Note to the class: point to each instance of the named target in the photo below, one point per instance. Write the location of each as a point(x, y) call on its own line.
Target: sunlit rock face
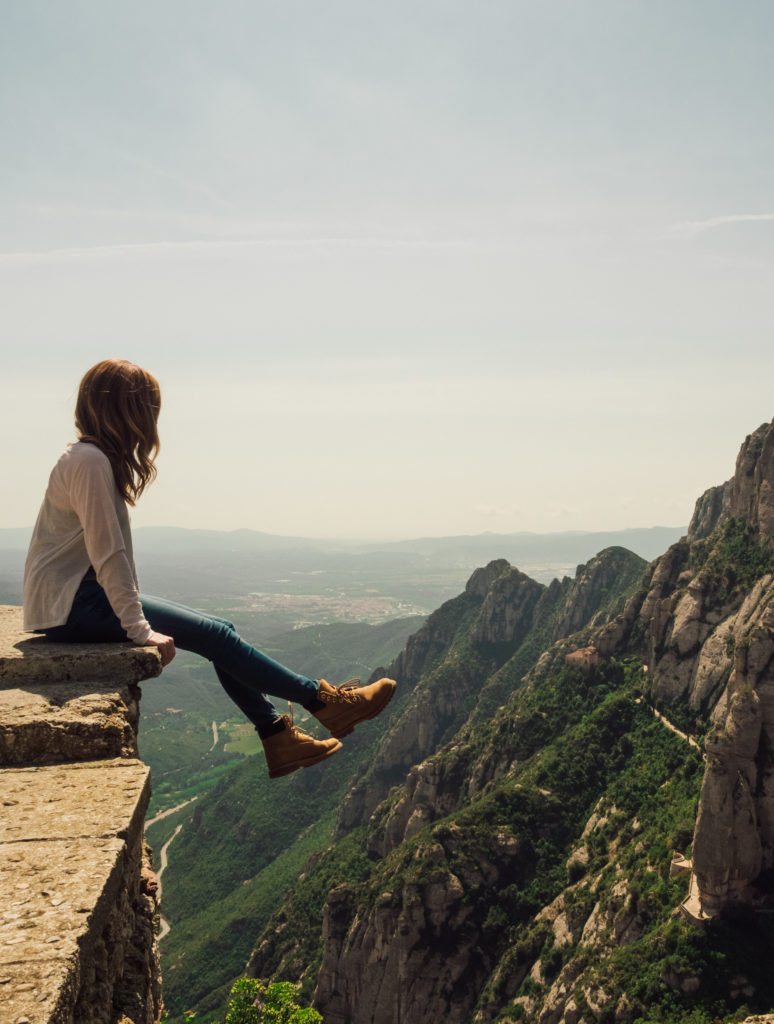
point(708, 616)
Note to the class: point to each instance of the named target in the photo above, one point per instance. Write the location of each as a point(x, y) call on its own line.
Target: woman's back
point(82, 520)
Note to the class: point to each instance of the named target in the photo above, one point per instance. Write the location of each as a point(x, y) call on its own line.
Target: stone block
point(27, 658)
point(96, 799)
point(76, 918)
point(53, 722)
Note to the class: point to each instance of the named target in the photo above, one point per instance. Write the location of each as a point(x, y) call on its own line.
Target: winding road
point(165, 927)
point(214, 737)
point(171, 810)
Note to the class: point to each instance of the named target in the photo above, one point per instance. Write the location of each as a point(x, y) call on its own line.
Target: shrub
point(252, 1002)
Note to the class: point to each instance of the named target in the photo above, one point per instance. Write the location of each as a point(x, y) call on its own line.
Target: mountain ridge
point(586, 932)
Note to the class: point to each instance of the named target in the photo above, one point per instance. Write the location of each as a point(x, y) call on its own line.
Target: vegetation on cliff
point(530, 867)
point(245, 844)
point(250, 1002)
point(518, 841)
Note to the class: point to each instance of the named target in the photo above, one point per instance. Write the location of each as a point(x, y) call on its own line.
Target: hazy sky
point(402, 268)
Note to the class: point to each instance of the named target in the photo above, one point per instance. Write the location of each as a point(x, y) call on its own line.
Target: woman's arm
point(92, 493)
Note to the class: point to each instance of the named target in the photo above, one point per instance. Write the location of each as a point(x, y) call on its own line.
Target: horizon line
point(388, 540)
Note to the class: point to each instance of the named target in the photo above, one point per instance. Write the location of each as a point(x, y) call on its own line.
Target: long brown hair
point(117, 410)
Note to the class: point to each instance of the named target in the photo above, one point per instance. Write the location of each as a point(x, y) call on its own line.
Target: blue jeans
point(245, 673)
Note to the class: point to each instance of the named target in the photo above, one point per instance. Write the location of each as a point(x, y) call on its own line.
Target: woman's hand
point(166, 646)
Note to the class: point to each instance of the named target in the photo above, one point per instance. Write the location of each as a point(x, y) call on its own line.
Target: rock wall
point(704, 623)
point(464, 643)
point(78, 906)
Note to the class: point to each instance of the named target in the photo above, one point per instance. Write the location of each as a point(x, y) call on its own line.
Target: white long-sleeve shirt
point(83, 521)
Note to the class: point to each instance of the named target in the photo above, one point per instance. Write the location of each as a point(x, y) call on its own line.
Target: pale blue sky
point(407, 268)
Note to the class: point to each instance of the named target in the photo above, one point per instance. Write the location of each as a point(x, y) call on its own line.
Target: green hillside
point(238, 856)
point(244, 838)
point(537, 838)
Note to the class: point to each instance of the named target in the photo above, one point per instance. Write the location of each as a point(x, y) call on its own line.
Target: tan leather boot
point(347, 705)
point(291, 749)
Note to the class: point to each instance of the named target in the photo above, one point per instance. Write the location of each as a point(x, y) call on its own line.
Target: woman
point(80, 581)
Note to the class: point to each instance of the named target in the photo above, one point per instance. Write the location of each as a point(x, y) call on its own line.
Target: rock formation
point(708, 618)
point(494, 631)
point(589, 677)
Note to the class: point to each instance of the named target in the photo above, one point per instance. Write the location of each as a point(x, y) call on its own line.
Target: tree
point(252, 1002)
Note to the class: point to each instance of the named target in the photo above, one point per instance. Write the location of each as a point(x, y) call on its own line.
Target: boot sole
point(305, 763)
point(376, 711)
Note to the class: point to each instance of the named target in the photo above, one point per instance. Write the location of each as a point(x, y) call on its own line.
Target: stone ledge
point(26, 658)
point(71, 852)
point(46, 723)
point(36, 992)
point(87, 799)
point(54, 894)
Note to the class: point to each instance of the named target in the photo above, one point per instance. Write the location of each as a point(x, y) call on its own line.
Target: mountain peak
point(482, 579)
point(749, 495)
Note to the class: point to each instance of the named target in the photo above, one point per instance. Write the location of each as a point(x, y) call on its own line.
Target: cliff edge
point(78, 902)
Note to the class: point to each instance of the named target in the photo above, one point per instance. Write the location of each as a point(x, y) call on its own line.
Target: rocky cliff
point(472, 652)
point(706, 613)
point(596, 784)
point(78, 907)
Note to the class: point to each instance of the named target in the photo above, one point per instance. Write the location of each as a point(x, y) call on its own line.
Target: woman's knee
point(218, 636)
point(224, 622)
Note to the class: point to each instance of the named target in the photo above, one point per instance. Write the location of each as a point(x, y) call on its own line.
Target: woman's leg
point(267, 720)
point(245, 673)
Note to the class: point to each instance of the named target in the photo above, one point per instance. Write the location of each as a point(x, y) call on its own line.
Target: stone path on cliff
point(691, 907)
point(670, 725)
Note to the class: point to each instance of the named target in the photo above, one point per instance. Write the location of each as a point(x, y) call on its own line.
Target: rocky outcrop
point(734, 837)
point(436, 786)
point(750, 493)
point(684, 616)
point(76, 895)
point(440, 687)
point(419, 951)
point(417, 974)
point(585, 658)
point(692, 634)
point(501, 623)
point(706, 513)
point(705, 625)
point(78, 904)
point(728, 853)
point(52, 722)
point(587, 598)
point(27, 658)
point(507, 613)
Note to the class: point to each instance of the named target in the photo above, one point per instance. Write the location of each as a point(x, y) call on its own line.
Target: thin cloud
point(202, 245)
point(690, 228)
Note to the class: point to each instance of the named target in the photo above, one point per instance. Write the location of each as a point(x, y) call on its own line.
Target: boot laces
point(290, 723)
point(344, 692)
